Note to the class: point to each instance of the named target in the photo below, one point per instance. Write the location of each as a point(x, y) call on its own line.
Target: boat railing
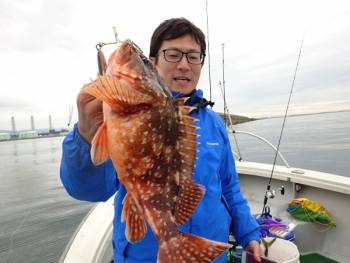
point(238, 154)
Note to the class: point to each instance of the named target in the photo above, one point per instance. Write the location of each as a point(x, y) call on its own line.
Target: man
point(177, 51)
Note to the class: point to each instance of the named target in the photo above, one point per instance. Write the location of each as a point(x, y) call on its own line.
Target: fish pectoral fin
point(190, 249)
point(118, 94)
point(189, 196)
point(135, 223)
point(104, 88)
point(99, 146)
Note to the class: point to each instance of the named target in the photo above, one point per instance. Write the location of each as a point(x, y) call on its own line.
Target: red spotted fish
point(151, 140)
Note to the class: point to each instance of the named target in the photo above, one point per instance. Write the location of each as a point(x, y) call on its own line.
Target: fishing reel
point(271, 193)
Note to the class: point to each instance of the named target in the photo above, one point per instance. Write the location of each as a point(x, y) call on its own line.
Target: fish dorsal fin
point(186, 110)
point(187, 141)
point(116, 93)
point(135, 223)
point(99, 146)
point(181, 101)
point(189, 196)
point(190, 193)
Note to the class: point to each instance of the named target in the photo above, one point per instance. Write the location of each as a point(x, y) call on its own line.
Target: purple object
point(273, 227)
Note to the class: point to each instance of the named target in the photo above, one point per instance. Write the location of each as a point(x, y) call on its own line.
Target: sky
point(47, 53)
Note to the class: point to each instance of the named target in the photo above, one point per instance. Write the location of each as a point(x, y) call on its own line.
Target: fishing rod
point(269, 193)
point(70, 115)
point(223, 81)
point(206, 7)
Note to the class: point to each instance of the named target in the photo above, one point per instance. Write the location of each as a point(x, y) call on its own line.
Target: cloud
point(12, 104)
point(260, 81)
point(34, 26)
point(49, 50)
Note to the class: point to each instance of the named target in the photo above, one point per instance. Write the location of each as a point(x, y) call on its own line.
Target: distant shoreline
point(37, 137)
point(300, 114)
point(236, 119)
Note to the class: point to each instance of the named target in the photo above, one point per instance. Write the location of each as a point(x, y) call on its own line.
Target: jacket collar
point(195, 99)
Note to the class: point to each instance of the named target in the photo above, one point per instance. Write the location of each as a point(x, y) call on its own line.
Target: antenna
point(268, 191)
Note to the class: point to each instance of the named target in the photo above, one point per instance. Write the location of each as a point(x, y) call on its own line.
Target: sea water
point(38, 217)
point(317, 142)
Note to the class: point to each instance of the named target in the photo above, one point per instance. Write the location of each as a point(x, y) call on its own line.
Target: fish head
point(136, 74)
point(138, 110)
point(125, 62)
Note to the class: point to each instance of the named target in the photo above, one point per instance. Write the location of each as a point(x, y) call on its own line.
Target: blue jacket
point(214, 169)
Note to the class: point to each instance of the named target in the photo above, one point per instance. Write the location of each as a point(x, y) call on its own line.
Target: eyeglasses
point(175, 55)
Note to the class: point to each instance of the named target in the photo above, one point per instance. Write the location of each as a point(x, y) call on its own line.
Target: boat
point(92, 241)
point(313, 242)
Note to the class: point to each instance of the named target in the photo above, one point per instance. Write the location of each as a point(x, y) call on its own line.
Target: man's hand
point(254, 247)
point(89, 114)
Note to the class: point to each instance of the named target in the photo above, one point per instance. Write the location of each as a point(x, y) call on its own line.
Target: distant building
point(13, 124)
point(43, 132)
point(4, 136)
point(27, 134)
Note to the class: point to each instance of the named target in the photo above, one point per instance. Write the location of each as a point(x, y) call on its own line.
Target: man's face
point(179, 76)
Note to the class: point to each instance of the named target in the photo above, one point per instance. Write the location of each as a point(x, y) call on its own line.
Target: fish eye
point(145, 61)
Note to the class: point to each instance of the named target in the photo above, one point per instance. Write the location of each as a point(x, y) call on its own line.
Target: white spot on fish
point(146, 159)
point(177, 178)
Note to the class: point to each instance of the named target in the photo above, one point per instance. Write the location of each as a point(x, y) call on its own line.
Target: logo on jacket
point(213, 143)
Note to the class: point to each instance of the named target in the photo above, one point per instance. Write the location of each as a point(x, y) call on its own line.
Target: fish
point(150, 138)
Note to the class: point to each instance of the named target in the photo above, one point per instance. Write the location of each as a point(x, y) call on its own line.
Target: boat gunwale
point(327, 181)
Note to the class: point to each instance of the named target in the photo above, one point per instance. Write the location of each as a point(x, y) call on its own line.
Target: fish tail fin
point(189, 248)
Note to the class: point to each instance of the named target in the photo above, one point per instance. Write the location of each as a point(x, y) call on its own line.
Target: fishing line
point(284, 121)
point(206, 6)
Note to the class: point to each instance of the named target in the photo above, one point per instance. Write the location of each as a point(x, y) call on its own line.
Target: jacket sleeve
point(81, 178)
point(246, 227)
